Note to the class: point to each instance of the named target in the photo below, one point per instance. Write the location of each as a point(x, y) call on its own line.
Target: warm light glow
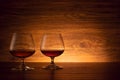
point(84, 45)
point(90, 29)
point(69, 57)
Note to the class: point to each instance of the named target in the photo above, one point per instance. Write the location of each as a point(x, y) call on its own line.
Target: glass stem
point(52, 60)
point(23, 65)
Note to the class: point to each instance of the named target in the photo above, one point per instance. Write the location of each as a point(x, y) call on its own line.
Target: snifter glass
point(22, 46)
point(52, 45)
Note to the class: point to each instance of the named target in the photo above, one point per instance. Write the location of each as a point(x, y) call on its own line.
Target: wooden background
point(90, 28)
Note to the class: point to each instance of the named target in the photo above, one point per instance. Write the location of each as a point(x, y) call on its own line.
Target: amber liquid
point(52, 53)
point(22, 53)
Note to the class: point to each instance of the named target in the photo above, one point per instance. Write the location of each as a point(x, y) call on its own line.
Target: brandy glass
point(52, 45)
point(22, 46)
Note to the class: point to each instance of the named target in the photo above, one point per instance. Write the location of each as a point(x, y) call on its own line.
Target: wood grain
point(90, 29)
point(70, 71)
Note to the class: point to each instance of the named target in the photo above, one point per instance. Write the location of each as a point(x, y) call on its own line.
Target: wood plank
point(70, 71)
point(90, 29)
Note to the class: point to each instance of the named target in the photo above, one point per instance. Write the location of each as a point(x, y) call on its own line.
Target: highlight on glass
point(22, 46)
point(52, 46)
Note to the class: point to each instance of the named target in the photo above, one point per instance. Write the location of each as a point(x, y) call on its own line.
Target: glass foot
point(26, 68)
point(52, 67)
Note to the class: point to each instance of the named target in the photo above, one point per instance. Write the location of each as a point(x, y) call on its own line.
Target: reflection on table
point(70, 71)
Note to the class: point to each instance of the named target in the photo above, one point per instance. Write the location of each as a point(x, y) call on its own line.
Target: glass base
point(52, 67)
point(26, 68)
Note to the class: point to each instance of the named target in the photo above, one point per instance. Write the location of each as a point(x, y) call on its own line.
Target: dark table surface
point(70, 71)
